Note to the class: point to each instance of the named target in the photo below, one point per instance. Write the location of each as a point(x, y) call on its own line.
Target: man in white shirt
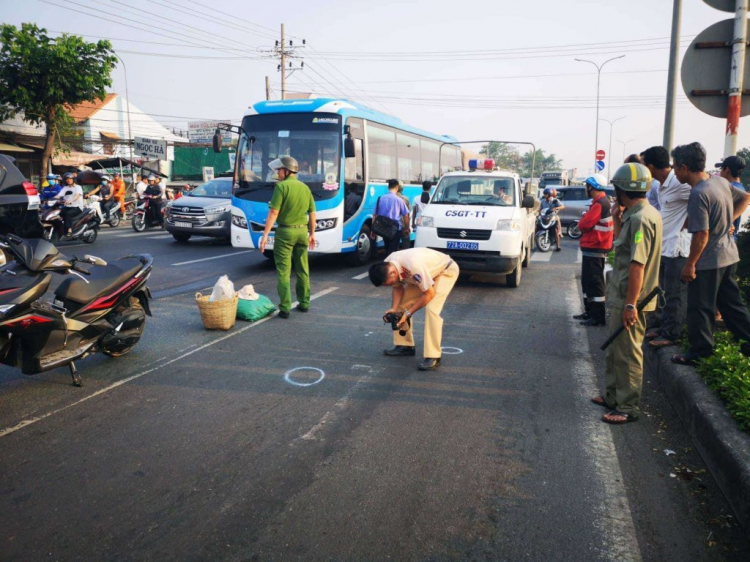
point(673, 202)
point(140, 187)
point(421, 278)
point(72, 195)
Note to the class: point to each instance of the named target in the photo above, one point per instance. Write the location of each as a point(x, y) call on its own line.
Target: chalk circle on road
point(300, 370)
point(452, 350)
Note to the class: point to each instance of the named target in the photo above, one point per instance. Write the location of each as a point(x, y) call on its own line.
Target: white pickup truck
point(482, 220)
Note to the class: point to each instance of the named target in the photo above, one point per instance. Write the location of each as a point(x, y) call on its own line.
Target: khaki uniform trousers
point(624, 365)
point(433, 324)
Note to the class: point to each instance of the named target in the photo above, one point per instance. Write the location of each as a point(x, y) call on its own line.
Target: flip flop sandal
point(661, 342)
point(628, 418)
point(652, 334)
point(599, 401)
point(685, 359)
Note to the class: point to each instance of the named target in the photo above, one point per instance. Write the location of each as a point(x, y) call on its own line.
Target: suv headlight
point(325, 224)
point(508, 225)
point(218, 210)
point(425, 221)
point(239, 221)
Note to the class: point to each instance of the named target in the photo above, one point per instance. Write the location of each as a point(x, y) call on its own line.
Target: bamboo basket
point(219, 315)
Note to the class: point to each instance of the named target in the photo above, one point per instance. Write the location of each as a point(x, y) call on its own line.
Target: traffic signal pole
point(736, 77)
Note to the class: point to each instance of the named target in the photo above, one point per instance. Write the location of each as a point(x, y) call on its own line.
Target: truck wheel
point(527, 254)
point(513, 279)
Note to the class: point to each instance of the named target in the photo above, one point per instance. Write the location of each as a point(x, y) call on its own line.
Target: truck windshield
point(314, 140)
point(475, 190)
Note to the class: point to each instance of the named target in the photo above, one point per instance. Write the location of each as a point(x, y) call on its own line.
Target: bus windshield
point(475, 190)
point(313, 139)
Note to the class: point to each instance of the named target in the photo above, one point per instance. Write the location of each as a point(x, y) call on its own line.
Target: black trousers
point(714, 289)
point(392, 244)
point(107, 207)
point(592, 283)
point(672, 316)
point(70, 216)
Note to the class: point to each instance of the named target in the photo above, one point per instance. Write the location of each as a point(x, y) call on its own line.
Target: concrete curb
point(723, 446)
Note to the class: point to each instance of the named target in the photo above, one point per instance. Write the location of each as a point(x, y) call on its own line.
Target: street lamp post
point(598, 82)
point(127, 107)
point(624, 144)
point(611, 126)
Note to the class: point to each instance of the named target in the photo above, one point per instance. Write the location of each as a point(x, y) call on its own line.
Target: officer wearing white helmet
point(596, 243)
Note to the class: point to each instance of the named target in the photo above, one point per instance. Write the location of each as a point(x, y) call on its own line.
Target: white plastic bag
point(224, 289)
point(248, 293)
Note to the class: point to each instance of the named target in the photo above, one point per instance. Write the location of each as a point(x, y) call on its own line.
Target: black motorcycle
point(85, 226)
point(98, 309)
point(149, 212)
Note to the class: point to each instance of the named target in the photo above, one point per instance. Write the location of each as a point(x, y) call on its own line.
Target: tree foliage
point(745, 153)
point(40, 75)
point(507, 157)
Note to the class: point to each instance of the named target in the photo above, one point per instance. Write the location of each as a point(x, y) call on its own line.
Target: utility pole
point(736, 77)
point(611, 126)
point(624, 145)
point(284, 51)
point(598, 82)
point(268, 89)
point(130, 134)
point(282, 55)
point(674, 55)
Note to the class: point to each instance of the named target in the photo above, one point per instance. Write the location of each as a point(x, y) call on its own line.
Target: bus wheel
point(362, 252)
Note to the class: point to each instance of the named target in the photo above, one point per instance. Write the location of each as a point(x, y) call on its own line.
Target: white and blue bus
point(342, 148)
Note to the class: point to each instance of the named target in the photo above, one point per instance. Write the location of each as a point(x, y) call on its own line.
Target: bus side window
point(354, 170)
point(354, 181)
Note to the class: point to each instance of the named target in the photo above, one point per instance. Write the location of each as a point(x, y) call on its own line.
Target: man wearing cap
point(637, 233)
point(731, 170)
point(421, 278)
point(292, 206)
point(710, 269)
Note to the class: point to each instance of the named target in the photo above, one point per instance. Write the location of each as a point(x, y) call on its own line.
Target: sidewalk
point(724, 448)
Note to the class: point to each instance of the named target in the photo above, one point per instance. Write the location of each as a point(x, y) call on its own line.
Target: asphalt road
point(298, 440)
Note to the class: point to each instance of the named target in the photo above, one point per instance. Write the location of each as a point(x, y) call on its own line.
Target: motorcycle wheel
point(573, 231)
point(134, 303)
point(543, 241)
point(52, 236)
point(114, 219)
point(89, 236)
point(139, 223)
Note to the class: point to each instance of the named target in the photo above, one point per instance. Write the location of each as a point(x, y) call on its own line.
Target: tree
point(543, 162)
point(40, 75)
point(745, 176)
point(507, 158)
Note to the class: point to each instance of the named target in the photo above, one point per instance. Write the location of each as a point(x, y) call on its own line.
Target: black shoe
point(593, 322)
point(302, 308)
point(584, 316)
point(400, 350)
point(558, 249)
point(429, 364)
point(283, 314)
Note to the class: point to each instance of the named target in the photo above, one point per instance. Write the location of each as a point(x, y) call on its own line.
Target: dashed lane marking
point(214, 257)
point(541, 256)
point(579, 256)
point(33, 420)
point(361, 275)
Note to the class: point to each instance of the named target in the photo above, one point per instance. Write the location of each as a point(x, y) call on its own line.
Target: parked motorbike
point(100, 309)
point(85, 228)
point(148, 209)
point(546, 225)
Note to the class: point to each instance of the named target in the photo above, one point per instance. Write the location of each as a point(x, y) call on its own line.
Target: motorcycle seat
point(103, 280)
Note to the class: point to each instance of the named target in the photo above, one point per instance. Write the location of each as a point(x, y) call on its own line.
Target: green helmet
point(286, 162)
point(632, 177)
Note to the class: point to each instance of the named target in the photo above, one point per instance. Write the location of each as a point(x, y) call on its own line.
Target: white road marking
point(214, 257)
point(541, 256)
point(451, 350)
point(579, 256)
point(129, 235)
point(361, 275)
point(614, 519)
point(158, 236)
point(33, 420)
point(288, 376)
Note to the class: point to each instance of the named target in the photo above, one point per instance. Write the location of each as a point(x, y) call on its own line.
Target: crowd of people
point(673, 226)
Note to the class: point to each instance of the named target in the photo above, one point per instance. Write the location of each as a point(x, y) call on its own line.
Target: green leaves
point(507, 157)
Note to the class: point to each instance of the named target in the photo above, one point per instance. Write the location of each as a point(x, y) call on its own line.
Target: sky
point(501, 70)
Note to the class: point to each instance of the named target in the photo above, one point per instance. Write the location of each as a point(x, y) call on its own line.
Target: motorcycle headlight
point(325, 224)
point(239, 221)
point(508, 225)
point(5, 309)
point(425, 221)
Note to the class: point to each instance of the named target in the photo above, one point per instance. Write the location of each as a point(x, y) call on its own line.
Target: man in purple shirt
point(392, 206)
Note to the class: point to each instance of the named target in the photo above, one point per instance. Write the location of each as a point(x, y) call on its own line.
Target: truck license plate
point(184, 224)
point(463, 245)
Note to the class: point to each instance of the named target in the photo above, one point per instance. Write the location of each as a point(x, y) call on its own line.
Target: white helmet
point(597, 181)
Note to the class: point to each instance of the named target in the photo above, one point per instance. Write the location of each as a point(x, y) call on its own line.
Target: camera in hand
point(393, 318)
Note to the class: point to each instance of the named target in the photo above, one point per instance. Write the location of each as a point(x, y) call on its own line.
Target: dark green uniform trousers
point(290, 248)
point(624, 365)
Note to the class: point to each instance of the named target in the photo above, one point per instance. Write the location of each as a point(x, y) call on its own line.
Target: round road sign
point(600, 155)
point(723, 5)
point(600, 165)
point(708, 69)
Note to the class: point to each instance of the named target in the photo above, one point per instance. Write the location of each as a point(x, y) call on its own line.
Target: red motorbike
point(149, 212)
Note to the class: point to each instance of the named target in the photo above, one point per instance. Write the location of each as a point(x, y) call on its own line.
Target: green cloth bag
point(251, 311)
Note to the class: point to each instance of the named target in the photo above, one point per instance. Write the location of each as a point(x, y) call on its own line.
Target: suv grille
point(463, 234)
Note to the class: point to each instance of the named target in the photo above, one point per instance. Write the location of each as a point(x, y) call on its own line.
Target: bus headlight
point(425, 221)
point(239, 221)
point(508, 225)
point(325, 224)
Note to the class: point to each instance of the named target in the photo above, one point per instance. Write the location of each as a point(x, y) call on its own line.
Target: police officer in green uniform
point(637, 232)
point(292, 206)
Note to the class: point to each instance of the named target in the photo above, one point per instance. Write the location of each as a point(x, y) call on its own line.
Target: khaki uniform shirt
point(639, 241)
point(293, 200)
point(419, 266)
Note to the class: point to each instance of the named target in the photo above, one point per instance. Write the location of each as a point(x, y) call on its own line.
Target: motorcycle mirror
point(93, 260)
